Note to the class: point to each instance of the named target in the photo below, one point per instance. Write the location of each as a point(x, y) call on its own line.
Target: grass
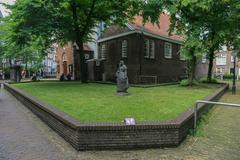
point(99, 103)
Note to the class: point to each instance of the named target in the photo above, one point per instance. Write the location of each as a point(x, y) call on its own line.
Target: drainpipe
point(140, 54)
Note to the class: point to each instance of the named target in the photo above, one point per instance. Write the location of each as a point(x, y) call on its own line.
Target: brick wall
point(166, 70)
point(99, 136)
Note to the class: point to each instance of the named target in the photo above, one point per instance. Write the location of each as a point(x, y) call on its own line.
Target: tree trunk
point(79, 59)
point(76, 65)
point(192, 67)
point(82, 65)
point(26, 70)
point(210, 66)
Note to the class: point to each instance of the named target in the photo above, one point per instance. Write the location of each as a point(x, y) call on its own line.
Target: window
point(168, 50)
point(149, 49)
point(70, 68)
point(64, 57)
point(221, 59)
point(124, 49)
point(181, 53)
point(103, 51)
point(146, 48)
point(204, 58)
point(86, 56)
point(232, 59)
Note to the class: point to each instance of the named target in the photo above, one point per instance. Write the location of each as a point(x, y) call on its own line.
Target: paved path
point(24, 137)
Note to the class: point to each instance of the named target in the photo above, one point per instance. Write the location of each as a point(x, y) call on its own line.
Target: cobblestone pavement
point(24, 137)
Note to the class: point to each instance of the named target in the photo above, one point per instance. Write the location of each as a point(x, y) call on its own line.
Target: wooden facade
point(155, 68)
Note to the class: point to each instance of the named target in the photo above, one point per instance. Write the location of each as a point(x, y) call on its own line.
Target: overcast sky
point(2, 9)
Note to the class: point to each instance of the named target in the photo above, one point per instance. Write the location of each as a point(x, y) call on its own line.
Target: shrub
point(204, 80)
point(227, 76)
point(185, 83)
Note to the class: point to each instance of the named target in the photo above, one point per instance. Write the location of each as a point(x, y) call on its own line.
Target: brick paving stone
point(22, 135)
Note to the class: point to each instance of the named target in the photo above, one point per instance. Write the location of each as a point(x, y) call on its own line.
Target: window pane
point(221, 59)
point(103, 51)
point(152, 49)
point(146, 48)
point(124, 48)
point(168, 50)
point(204, 58)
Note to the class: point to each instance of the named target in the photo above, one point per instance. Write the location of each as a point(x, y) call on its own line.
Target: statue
point(122, 79)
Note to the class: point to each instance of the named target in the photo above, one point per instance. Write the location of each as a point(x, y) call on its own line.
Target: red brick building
point(224, 63)
point(150, 53)
point(64, 58)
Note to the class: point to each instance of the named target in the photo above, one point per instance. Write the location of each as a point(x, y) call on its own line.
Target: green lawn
point(99, 103)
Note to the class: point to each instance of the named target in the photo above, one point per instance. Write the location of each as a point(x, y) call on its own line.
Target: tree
point(232, 31)
point(208, 18)
point(15, 48)
point(182, 24)
point(192, 50)
point(62, 21)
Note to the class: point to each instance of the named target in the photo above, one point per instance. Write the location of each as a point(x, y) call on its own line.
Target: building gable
point(160, 31)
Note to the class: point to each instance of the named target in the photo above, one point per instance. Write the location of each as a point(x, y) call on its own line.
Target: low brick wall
point(100, 136)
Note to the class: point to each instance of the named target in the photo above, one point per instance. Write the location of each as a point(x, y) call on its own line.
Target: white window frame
point(168, 50)
point(124, 49)
point(232, 58)
point(149, 49)
point(204, 58)
point(146, 48)
point(221, 59)
point(103, 51)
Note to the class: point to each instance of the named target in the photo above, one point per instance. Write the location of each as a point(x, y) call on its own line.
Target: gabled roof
point(158, 31)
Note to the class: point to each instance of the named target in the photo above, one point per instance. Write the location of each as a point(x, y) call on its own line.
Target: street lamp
point(234, 53)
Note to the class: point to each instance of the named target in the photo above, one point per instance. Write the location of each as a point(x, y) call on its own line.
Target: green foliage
point(205, 80)
point(35, 67)
point(186, 82)
point(54, 21)
point(65, 21)
point(203, 22)
point(14, 46)
point(228, 76)
point(99, 103)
